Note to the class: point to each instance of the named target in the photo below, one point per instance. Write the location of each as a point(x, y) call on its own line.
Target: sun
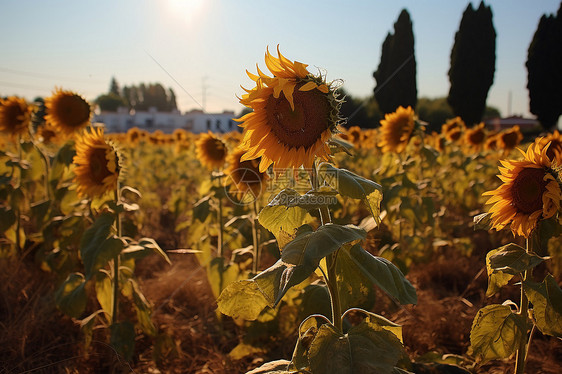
point(184, 9)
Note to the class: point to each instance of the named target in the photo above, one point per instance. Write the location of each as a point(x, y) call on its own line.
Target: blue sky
point(206, 45)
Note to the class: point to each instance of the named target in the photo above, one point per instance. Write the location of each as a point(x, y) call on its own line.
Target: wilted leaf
point(547, 305)
point(513, 259)
point(364, 349)
point(243, 350)
point(496, 332)
point(71, 296)
point(273, 367)
point(496, 279)
point(352, 185)
point(482, 221)
point(104, 293)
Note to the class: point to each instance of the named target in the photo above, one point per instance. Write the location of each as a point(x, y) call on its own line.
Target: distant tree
point(544, 70)
point(114, 87)
point(396, 73)
point(434, 111)
point(110, 102)
point(172, 100)
point(473, 60)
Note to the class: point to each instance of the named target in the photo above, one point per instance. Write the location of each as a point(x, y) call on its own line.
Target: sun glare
point(184, 9)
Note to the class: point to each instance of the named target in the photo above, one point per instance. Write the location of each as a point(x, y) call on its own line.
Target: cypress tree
point(473, 60)
point(396, 73)
point(544, 70)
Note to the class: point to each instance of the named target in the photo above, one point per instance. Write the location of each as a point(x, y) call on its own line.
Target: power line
point(40, 75)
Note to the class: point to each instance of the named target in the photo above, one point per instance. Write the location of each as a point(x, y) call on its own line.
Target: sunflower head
point(211, 151)
point(529, 192)
point(397, 129)
point(15, 115)
point(509, 139)
point(244, 177)
point(96, 164)
point(475, 136)
point(294, 115)
point(67, 111)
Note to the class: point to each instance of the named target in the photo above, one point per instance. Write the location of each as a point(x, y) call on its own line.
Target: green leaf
point(309, 247)
point(104, 293)
point(97, 257)
point(39, 212)
point(143, 310)
point(353, 286)
point(482, 221)
point(282, 219)
point(221, 275)
point(123, 338)
point(7, 218)
point(202, 209)
point(339, 145)
point(62, 160)
point(93, 247)
point(496, 279)
point(384, 274)
point(352, 185)
point(364, 349)
point(275, 281)
point(496, 332)
point(242, 299)
point(71, 296)
point(273, 367)
point(513, 259)
point(87, 327)
point(547, 305)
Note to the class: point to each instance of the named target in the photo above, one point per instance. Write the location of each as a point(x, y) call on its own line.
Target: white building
point(195, 121)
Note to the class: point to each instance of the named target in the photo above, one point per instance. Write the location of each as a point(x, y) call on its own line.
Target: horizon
point(201, 49)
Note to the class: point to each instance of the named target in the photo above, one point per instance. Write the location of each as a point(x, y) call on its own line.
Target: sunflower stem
point(255, 240)
point(219, 219)
point(18, 207)
point(116, 262)
point(521, 356)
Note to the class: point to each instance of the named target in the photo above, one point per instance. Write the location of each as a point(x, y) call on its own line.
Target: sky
point(202, 48)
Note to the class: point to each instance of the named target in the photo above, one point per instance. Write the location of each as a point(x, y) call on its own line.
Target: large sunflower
point(211, 151)
point(244, 177)
point(67, 111)
point(396, 129)
point(96, 164)
point(294, 115)
point(530, 192)
point(15, 115)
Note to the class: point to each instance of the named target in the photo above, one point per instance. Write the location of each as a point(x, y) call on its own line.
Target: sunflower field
point(296, 245)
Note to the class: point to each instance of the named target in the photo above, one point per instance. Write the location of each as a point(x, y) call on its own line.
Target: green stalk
point(331, 282)
point(521, 356)
point(116, 263)
point(219, 219)
point(255, 241)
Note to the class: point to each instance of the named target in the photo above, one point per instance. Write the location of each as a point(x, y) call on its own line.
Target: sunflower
point(453, 129)
point(96, 164)
point(15, 115)
point(67, 111)
point(211, 151)
point(554, 151)
point(530, 192)
point(47, 134)
point(509, 139)
point(396, 129)
point(245, 179)
point(476, 136)
point(294, 115)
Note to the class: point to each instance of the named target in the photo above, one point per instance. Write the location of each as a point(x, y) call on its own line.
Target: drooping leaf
point(364, 349)
point(482, 221)
point(123, 338)
point(71, 296)
point(242, 299)
point(97, 257)
point(309, 247)
point(354, 287)
point(143, 310)
point(496, 332)
point(282, 218)
point(273, 367)
point(202, 209)
point(496, 278)
point(513, 259)
point(104, 293)
point(546, 298)
point(93, 239)
point(383, 274)
point(352, 185)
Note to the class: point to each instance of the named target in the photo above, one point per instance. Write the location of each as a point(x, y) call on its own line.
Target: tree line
point(471, 72)
point(138, 97)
